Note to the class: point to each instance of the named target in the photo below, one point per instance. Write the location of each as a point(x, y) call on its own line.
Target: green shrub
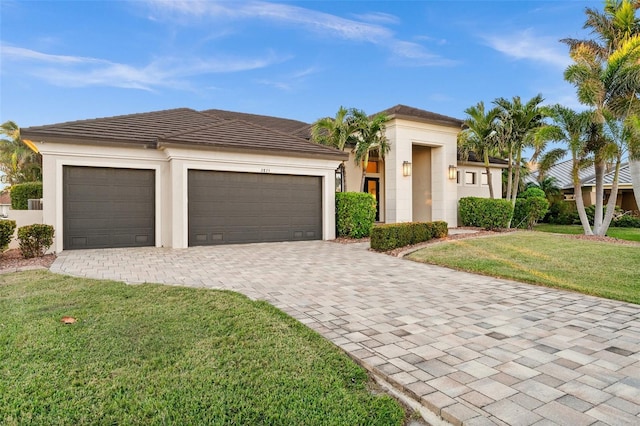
point(7, 227)
point(394, 235)
point(562, 212)
point(626, 221)
point(532, 191)
point(528, 211)
point(355, 214)
point(35, 239)
point(485, 213)
point(22, 192)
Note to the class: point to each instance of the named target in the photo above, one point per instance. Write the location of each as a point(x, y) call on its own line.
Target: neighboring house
point(180, 178)
point(5, 203)
point(562, 173)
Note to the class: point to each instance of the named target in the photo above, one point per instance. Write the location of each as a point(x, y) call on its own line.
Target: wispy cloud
point(527, 46)
point(290, 81)
point(366, 28)
point(79, 71)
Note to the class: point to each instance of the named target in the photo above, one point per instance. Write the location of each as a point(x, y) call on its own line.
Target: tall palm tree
point(370, 138)
point(606, 73)
point(337, 132)
point(478, 135)
point(18, 162)
point(572, 128)
point(523, 120)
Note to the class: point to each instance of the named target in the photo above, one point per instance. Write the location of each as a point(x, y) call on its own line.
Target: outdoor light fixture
point(406, 168)
point(453, 172)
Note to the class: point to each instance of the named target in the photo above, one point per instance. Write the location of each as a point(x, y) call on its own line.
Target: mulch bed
point(12, 260)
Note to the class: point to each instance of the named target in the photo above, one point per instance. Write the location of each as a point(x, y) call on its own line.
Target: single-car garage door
point(229, 207)
point(107, 207)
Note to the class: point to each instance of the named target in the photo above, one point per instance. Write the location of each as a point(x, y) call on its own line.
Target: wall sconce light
point(406, 168)
point(453, 172)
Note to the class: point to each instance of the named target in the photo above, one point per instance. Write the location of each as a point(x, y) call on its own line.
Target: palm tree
point(606, 73)
point(337, 132)
point(18, 161)
point(479, 136)
point(572, 128)
point(547, 160)
point(370, 138)
point(523, 122)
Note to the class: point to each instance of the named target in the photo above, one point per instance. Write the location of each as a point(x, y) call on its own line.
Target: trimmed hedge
point(393, 235)
point(22, 192)
point(485, 213)
point(35, 239)
point(355, 214)
point(7, 227)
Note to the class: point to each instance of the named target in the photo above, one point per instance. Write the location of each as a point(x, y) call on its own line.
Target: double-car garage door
point(112, 207)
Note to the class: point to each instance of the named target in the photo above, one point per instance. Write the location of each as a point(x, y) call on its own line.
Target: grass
point(153, 354)
point(590, 267)
point(630, 234)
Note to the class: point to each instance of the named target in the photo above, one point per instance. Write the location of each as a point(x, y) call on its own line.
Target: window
point(484, 179)
point(372, 167)
point(469, 178)
point(458, 180)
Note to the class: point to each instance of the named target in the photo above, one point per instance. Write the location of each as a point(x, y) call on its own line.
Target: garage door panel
point(108, 207)
point(230, 207)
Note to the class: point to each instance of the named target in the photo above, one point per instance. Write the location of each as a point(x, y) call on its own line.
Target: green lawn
point(153, 354)
point(597, 268)
point(630, 234)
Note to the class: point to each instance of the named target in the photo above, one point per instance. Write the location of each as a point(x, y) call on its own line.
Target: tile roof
point(403, 111)
point(241, 134)
point(473, 158)
point(187, 126)
point(276, 123)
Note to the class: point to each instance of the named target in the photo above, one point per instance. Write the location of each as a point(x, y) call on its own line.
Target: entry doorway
point(372, 186)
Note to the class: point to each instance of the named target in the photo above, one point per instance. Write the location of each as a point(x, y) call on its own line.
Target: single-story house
point(180, 178)
point(561, 172)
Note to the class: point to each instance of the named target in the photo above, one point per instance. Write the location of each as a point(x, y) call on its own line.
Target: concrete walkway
point(474, 350)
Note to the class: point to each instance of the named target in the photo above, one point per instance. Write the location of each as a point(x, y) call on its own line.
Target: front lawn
point(630, 234)
point(597, 268)
point(153, 354)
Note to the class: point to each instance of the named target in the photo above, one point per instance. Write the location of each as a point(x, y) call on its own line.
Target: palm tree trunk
point(509, 174)
point(597, 218)
point(489, 181)
point(365, 164)
point(582, 214)
point(516, 179)
point(611, 204)
point(634, 167)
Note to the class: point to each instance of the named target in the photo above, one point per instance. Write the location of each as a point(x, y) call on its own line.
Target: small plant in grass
point(35, 239)
point(7, 228)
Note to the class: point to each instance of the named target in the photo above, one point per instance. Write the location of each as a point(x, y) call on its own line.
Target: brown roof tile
point(133, 128)
point(239, 134)
point(403, 111)
point(276, 123)
point(187, 126)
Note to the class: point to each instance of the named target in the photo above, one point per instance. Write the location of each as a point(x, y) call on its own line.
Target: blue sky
point(62, 61)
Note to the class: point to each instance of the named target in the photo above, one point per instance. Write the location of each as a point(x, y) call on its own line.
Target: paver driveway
point(473, 349)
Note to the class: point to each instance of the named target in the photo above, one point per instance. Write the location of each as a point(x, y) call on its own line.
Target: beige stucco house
point(180, 178)
point(422, 177)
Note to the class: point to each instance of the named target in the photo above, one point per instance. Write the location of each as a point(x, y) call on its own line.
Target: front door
point(372, 186)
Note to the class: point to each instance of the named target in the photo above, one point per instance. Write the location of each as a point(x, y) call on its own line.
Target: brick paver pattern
point(473, 349)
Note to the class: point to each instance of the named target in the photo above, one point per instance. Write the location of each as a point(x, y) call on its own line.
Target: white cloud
point(319, 22)
point(78, 71)
point(379, 17)
point(526, 45)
